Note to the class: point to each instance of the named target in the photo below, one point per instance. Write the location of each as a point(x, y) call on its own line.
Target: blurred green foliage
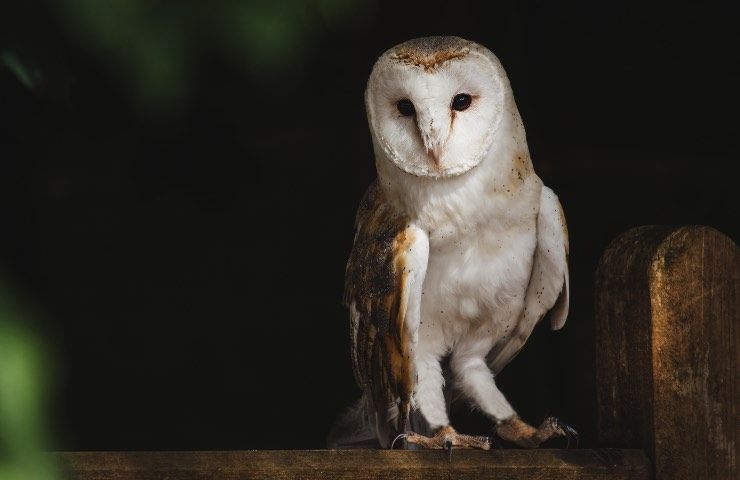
point(156, 45)
point(29, 77)
point(23, 369)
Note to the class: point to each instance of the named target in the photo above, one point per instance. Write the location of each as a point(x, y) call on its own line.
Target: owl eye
point(461, 102)
point(405, 107)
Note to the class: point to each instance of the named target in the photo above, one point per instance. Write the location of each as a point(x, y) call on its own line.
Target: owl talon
point(448, 447)
point(399, 436)
point(567, 431)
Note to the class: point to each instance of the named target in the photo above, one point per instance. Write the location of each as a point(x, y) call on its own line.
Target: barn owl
point(459, 251)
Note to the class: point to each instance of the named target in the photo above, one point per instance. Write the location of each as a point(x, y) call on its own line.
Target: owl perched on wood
point(459, 251)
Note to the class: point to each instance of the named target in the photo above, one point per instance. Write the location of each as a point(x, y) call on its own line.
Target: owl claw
point(448, 447)
point(399, 436)
point(568, 432)
point(559, 427)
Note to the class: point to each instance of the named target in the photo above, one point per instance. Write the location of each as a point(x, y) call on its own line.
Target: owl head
point(434, 105)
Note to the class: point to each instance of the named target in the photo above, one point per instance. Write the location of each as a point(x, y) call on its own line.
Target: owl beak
point(436, 153)
point(433, 136)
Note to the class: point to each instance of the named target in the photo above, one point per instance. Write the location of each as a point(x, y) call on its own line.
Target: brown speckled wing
point(376, 292)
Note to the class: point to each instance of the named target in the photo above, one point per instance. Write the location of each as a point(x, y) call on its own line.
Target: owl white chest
point(480, 259)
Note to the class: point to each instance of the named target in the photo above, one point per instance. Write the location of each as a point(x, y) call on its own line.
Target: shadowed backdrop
point(178, 183)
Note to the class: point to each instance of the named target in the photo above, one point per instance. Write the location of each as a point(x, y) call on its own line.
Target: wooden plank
point(666, 349)
point(357, 465)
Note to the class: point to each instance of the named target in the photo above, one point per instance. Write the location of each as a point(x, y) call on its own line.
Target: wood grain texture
point(357, 465)
point(666, 348)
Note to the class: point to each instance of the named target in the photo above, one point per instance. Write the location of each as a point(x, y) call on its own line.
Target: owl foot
point(447, 438)
point(526, 436)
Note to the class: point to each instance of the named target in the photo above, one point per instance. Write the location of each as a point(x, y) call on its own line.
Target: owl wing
point(383, 293)
point(548, 288)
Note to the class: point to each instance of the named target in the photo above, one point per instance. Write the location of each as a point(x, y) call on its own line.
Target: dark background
point(177, 192)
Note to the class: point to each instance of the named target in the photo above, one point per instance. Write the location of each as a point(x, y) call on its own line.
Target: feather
point(355, 428)
point(382, 274)
point(548, 282)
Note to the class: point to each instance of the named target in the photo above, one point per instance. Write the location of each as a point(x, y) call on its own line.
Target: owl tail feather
point(354, 428)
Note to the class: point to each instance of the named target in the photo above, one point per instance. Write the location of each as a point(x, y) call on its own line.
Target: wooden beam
point(357, 465)
point(667, 349)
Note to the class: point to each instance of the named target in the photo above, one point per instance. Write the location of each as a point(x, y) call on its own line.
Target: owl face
point(433, 105)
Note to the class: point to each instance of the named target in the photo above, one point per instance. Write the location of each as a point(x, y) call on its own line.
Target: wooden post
point(667, 349)
point(604, 464)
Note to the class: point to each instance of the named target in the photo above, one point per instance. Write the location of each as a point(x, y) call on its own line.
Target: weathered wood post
point(667, 349)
